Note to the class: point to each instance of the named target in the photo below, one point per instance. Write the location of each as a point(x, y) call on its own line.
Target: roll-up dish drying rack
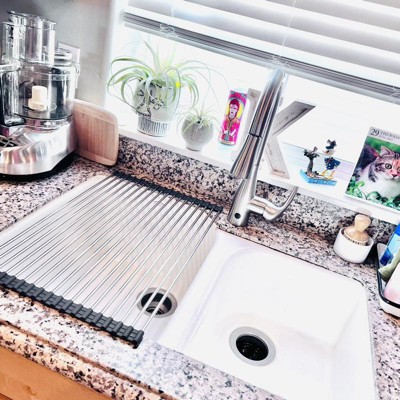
point(116, 255)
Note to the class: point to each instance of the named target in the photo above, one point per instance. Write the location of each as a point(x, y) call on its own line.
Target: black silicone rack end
point(139, 181)
point(49, 299)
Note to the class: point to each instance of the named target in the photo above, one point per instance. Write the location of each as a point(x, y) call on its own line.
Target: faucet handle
point(268, 210)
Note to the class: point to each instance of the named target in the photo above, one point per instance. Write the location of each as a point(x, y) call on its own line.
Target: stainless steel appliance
point(37, 88)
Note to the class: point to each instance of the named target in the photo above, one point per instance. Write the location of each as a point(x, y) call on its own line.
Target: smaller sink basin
point(292, 328)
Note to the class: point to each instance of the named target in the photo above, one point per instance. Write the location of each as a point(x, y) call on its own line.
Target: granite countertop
point(113, 367)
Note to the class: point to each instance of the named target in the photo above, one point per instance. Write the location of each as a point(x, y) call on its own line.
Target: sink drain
point(252, 346)
point(167, 308)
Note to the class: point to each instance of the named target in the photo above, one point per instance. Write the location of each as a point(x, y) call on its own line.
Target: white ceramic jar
point(350, 251)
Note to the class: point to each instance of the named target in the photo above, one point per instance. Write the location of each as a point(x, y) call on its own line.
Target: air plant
point(158, 83)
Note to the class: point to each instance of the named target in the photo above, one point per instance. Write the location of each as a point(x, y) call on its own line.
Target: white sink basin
point(316, 320)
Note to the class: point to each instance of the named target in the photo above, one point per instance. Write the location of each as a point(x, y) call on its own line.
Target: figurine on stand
point(331, 164)
point(311, 154)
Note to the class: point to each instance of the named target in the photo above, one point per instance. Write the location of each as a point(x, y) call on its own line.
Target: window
point(324, 46)
point(349, 43)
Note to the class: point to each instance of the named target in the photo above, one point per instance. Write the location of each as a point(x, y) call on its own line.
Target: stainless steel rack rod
point(44, 235)
point(30, 251)
point(166, 276)
point(132, 262)
point(13, 242)
point(149, 269)
point(111, 248)
point(110, 273)
point(104, 233)
point(168, 291)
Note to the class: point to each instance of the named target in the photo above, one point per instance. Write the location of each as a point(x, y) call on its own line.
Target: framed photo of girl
point(376, 176)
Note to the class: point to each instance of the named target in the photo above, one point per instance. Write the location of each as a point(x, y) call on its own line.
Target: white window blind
point(357, 39)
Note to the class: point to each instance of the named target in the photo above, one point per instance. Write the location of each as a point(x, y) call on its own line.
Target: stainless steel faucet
point(247, 162)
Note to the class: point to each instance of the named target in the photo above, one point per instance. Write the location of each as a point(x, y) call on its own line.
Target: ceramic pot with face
point(156, 109)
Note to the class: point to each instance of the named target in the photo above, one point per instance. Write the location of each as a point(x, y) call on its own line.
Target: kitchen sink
point(292, 328)
point(280, 323)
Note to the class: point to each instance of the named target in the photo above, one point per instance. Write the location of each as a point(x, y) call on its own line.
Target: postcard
point(376, 176)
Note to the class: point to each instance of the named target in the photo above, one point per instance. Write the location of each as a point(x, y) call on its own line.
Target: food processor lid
point(31, 20)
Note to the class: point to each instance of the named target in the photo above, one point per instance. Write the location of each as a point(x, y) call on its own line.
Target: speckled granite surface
point(113, 367)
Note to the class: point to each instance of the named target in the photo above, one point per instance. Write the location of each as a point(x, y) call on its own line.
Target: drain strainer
point(167, 308)
point(252, 346)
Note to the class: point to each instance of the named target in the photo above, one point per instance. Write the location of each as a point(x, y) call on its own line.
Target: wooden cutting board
point(97, 132)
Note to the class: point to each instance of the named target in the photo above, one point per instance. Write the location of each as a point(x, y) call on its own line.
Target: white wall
point(91, 25)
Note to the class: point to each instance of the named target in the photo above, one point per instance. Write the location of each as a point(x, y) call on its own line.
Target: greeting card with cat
point(376, 177)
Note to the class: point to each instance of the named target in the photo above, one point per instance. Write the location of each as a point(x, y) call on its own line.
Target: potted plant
point(153, 90)
point(198, 127)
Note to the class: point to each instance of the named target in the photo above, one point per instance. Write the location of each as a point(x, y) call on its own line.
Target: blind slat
point(358, 10)
point(356, 33)
point(163, 7)
point(325, 25)
point(388, 3)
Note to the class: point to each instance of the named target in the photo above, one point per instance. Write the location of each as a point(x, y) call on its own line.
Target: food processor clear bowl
point(57, 85)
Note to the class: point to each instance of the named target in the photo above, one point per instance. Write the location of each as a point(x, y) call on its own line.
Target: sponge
point(387, 271)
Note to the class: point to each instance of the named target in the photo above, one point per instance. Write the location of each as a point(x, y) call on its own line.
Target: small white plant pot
point(195, 137)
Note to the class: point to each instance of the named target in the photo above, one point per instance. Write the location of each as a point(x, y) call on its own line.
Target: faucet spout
point(248, 161)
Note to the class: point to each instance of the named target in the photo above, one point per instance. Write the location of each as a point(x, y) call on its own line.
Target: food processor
point(37, 88)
